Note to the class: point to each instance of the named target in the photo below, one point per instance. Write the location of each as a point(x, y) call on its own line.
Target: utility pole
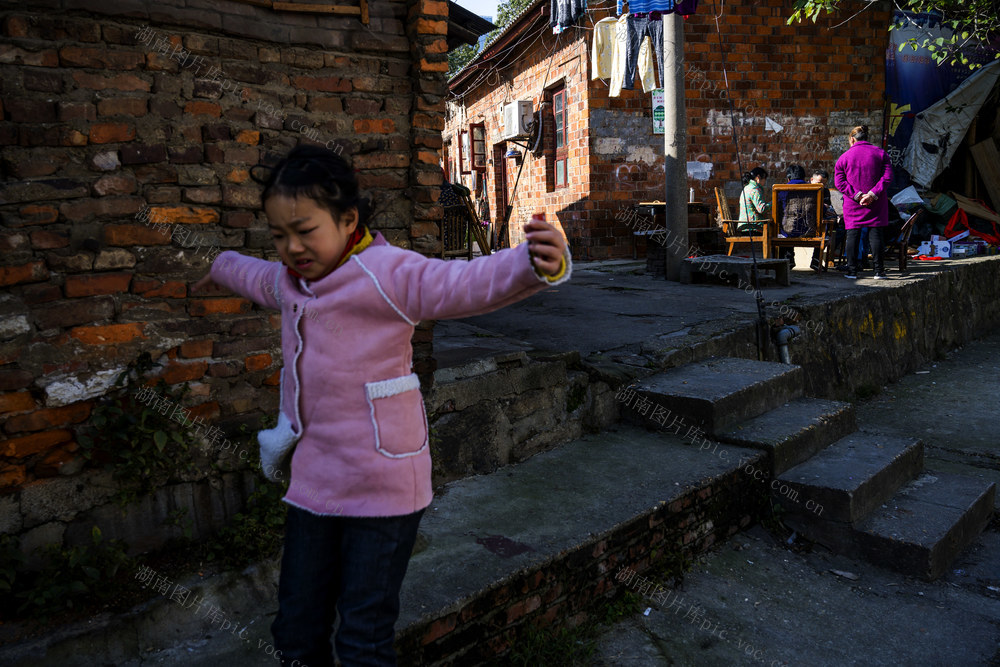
point(675, 144)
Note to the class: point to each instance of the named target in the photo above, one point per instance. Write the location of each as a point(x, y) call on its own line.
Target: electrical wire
point(755, 273)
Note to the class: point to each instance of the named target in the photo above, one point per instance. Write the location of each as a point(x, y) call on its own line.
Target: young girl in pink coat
point(352, 421)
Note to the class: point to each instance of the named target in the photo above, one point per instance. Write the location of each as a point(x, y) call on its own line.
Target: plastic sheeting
point(940, 128)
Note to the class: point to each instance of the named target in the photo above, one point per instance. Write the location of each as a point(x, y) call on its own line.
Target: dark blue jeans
point(351, 565)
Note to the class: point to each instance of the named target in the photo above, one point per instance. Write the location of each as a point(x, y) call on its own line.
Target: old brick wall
point(561, 591)
point(815, 81)
point(128, 131)
point(525, 73)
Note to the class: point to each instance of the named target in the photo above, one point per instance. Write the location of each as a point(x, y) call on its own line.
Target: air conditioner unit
point(516, 117)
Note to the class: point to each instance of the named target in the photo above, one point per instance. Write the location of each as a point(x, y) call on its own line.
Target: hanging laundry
point(564, 13)
point(643, 61)
point(646, 6)
point(637, 29)
point(603, 51)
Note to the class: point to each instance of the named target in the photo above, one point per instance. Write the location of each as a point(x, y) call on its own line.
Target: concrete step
point(538, 544)
point(923, 528)
point(793, 432)
point(718, 393)
point(856, 474)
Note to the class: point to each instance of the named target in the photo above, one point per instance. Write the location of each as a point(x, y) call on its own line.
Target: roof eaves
point(517, 24)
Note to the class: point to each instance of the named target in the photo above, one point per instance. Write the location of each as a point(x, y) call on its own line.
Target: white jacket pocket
point(398, 416)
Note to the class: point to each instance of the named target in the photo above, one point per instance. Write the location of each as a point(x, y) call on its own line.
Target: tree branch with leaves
point(974, 24)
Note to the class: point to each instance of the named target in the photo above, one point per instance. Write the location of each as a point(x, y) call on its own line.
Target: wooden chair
point(817, 241)
point(902, 241)
point(460, 226)
point(731, 231)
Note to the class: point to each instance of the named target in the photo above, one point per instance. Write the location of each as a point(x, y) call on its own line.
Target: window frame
point(464, 150)
point(478, 160)
point(560, 154)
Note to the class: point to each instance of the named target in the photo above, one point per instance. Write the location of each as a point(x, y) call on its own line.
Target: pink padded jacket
point(348, 394)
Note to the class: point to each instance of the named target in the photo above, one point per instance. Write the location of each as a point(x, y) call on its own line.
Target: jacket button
point(295, 307)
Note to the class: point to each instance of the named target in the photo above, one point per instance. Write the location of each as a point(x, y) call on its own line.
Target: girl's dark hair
point(754, 173)
point(821, 172)
point(860, 133)
point(316, 173)
point(795, 172)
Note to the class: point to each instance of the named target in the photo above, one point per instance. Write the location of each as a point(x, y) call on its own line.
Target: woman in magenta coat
point(861, 175)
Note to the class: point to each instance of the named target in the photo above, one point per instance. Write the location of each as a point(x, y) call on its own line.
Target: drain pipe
point(782, 336)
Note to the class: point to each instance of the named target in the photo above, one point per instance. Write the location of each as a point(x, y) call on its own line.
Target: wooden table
point(653, 208)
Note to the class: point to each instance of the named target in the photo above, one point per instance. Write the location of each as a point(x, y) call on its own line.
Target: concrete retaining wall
point(561, 591)
point(880, 336)
point(504, 409)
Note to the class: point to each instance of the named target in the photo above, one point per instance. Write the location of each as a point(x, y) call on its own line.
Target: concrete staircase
point(858, 493)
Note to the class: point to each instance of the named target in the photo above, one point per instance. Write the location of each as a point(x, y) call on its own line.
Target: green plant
point(253, 534)
point(140, 445)
point(68, 577)
point(177, 518)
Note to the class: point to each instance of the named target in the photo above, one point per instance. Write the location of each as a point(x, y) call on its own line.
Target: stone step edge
point(845, 413)
point(961, 534)
point(561, 590)
point(881, 480)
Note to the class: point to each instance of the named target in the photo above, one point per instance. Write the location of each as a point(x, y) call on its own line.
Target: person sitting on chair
point(798, 209)
point(798, 214)
point(754, 207)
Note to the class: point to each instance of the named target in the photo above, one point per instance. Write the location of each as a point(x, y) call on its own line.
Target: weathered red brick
point(326, 84)
point(194, 349)
point(149, 287)
point(251, 137)
point(257, 362)
point(36, 442)
point(38, 214)
point(115, 184)
point(203, 307)
point(12, 476)
point(106, 133)
point(191, 215)
point(119, 82)
point(24, 110)
point(122, 106)
point(203, 108)
point(131, 235)
point(16, 56)
point(177, 372)
point(31, 272)
point(43, 240)
point(16, 401)
point(108, 334)
point(107, 207)
point(374, 126)
point(93, 285)
point(49, 418)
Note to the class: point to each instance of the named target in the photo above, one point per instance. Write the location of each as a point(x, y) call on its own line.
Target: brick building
point(796, 90)
point(128, 130)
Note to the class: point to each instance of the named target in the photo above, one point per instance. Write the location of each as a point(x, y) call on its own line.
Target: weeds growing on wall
point(66, 577)
point(143, 449)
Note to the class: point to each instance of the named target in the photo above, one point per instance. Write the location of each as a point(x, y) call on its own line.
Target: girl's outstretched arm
point(422, 288)
point(251, 278)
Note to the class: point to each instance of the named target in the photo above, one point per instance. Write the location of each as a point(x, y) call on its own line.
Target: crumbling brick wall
point(128, 133)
